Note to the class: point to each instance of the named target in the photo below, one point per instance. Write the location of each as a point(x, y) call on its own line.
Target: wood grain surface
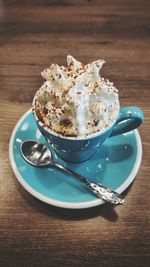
point(33, 34)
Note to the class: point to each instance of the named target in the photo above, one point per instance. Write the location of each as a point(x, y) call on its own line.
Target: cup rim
point(82, 138)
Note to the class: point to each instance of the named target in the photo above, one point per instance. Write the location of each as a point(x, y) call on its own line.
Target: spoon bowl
point(36, 154)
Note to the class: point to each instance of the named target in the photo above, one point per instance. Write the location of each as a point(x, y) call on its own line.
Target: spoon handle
point(97, 189)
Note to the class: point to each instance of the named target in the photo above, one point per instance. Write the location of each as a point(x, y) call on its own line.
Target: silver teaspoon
point(39, 155)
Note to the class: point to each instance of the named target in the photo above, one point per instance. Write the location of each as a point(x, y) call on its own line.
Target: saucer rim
point(71, 205)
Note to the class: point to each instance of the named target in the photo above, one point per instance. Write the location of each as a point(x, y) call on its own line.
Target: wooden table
point(33, 35)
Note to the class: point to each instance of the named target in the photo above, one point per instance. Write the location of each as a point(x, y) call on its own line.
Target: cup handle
point(129, 118)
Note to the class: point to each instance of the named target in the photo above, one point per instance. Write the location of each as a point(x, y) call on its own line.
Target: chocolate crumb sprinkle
point(66, 123)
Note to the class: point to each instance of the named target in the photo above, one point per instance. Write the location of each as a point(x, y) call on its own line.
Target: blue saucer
point(114, 165)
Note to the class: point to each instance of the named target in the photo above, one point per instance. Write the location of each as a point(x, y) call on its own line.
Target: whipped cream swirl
point(75, 100)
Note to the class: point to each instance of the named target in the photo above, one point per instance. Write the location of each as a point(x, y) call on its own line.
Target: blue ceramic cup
point(78, 149)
